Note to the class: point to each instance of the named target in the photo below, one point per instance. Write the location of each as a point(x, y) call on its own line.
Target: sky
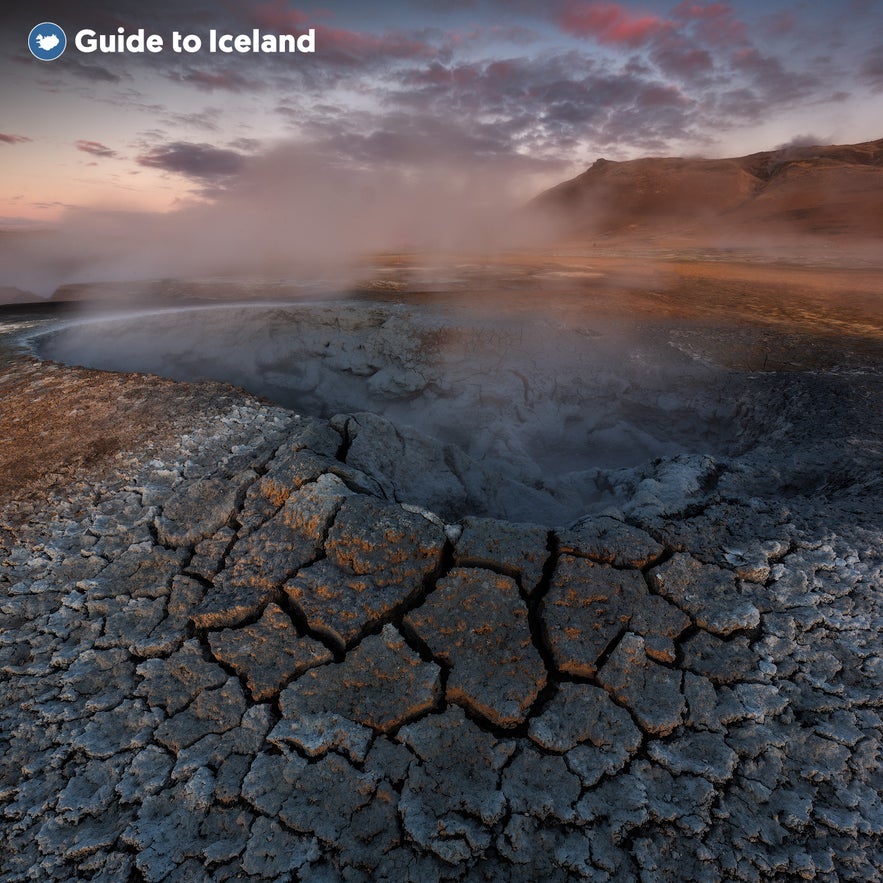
point(474, 96)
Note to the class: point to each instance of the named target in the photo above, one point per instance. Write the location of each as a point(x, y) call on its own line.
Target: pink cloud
point(780, 24)
point(610, 23)
point(13, 139)
point(686, 9)
point(715, 23)
point(280, 19)
point(96, 148)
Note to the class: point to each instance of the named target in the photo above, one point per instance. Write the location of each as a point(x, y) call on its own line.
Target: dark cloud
point(780, 24)
point(13, 139)
point(679, 56)
point(200, 161)
point(246, 145)
point(93, 72)
point(231, 81)
point(872, 69)
point(484, 81)
point(771, 78)
point(714, 24)
point(207, 119)
point(548, 106)
point(95, 148)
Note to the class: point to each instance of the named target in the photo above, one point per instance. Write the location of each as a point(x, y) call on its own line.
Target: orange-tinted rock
point(269, 653)
point(476, 622)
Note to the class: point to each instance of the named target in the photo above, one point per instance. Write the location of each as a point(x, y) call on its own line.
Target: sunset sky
point(534, 91)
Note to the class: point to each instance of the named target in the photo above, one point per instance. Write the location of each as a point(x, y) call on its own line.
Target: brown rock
point(341, 606)
point(381, 684)
point(610, 541)
point(269, 653)
point(385, 541)
point(476, 622)
point(586, 609)
point(519, 550)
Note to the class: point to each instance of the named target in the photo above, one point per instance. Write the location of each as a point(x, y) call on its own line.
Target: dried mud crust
point(226, 655)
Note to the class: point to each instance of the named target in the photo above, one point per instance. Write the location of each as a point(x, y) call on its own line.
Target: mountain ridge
point(807, 189)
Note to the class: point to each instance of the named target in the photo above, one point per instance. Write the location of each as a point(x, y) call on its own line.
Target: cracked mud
point(239, 658)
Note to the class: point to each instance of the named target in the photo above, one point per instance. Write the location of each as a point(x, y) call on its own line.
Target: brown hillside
point(834, 190)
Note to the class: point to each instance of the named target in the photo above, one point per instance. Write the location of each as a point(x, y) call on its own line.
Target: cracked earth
point(234, 657)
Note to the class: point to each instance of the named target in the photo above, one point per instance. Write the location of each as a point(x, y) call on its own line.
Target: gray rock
point(127, 727)
point(708, 593)
point(541, 785)
point(452, 791)
point(200, 508)
point(270, 780)
point(518, 550)
point(380, 685)
point(476, 622)
point(702, 754)
point(650, 691)
point(212, 711)
point(147, 774)
point(171, 684)
point(269, 653)
point(272, 852)
point(208, 554)
point(722, 662)
point(584, 713)
point(589, 605)
point(609, 541)
point(343, 789)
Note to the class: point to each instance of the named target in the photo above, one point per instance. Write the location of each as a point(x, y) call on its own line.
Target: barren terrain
point(245, 642)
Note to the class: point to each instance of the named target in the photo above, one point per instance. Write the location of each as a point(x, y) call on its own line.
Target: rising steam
point(285, 212)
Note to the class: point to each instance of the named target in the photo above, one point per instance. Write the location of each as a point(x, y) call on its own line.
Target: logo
point(47, 41)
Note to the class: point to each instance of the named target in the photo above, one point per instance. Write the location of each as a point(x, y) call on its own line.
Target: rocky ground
point(229, 652)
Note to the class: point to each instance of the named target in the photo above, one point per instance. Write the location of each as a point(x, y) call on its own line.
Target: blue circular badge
point(46, 41)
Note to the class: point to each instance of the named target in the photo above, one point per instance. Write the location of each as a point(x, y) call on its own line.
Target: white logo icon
point(47, 42)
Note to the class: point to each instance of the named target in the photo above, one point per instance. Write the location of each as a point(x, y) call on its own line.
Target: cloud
point(208, 80)
point(93, 72)
point(803, 141)
point(341, 46)
point(780, 24)
point(207, 119)
point(713, 23)
point(610, 23)
point(872, 69)
point(13, 139)
point(246, 145)
point(96, 148)
point(201, 161)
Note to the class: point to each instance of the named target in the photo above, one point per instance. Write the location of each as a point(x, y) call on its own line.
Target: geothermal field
point(560, 565)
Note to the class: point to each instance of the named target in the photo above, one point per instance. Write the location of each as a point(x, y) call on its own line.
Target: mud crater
point(530, 397)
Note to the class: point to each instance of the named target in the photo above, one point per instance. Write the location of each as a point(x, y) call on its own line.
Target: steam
point(541, 402)
point(286, 213)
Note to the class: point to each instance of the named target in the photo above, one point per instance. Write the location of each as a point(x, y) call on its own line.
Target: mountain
point(818, 190)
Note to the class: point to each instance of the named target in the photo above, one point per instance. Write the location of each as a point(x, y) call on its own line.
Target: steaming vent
point(522, 416)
